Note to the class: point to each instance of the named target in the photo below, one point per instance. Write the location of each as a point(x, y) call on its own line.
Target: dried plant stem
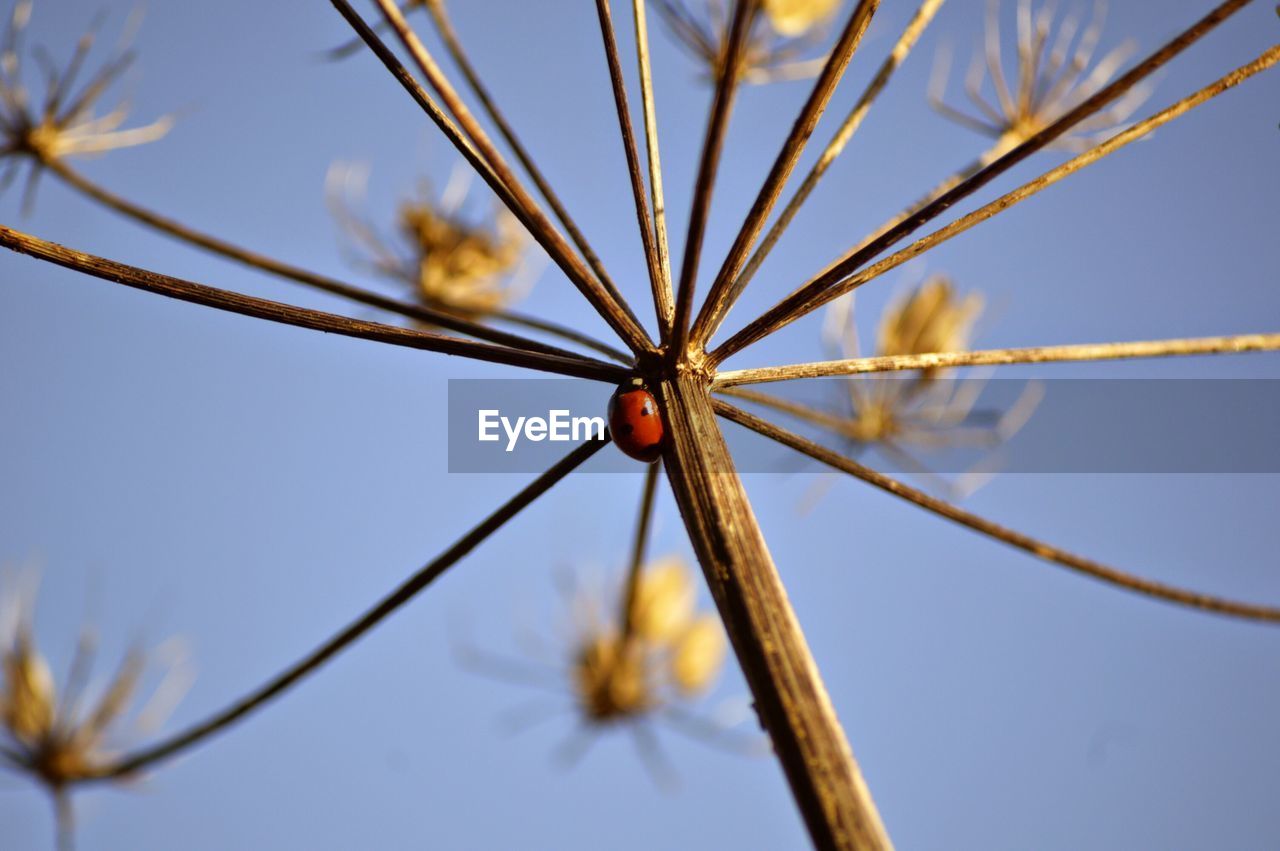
point(1001, 357)
point(789, 695)
point(1052, 554)
point(452, 44)
point(666, 300)
point(1004, 202)
point(657, 282)
point(64, 820)
point(719, 297)
point(496, 175)
point(643, 522)
point(168, 748)
point(261, 262)
point(612, 305)
point(922, 18)
point(827, 285)
point(729, 76)
point(808, 413)
point(260, 308)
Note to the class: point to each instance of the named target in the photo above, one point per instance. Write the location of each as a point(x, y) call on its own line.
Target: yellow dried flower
point(61, 739)
point(64, 122)
point(930, 318)
point(665, 600)
point(450, 263)
point(1055, 73)
point(796, 17)
point(698, 655)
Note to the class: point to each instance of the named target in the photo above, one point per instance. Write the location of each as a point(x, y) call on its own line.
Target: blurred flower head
point(68, 735)
point(669, 652)
point(449, 261)
point(781, 45)
point(66, 121)
point(1055, 71)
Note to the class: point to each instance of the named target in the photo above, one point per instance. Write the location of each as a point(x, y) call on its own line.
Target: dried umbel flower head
point(666, 652)
point(897, 414)
point(65, 122)
point(1055, 73)
point(449, 261)
point(62, 738)
point(781, 44)
point(929, 318)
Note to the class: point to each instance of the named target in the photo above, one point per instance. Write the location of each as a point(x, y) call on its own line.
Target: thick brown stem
point(789, 695)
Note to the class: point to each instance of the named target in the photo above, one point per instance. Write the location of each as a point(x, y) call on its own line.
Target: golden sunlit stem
point(643, 523)
point(1001, 357)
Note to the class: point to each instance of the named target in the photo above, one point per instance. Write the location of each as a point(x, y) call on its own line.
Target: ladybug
point(635, 424)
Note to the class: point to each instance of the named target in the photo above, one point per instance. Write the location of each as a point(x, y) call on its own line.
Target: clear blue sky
point(251, 487)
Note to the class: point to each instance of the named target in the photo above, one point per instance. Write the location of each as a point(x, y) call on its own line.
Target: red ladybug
point(635, 424)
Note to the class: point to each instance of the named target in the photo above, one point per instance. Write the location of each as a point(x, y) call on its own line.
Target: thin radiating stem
point(452, 44)
point(1002, 357)
point(64, 820)
point(1038, 548)
point(263, 263)
point(260, 308)
point(647, 239)
point(168, 748)
point(922, 18)
point(827, 285)
point(806, 122)
point(613, 306)
point(498, 178)
point(666, 298)
point(744, 15)
point(643, 522)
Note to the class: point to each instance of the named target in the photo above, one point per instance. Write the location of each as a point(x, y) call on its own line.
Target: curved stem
point(260, 308)
point(1038, 548)
point(168, 748)
point(261, 262)
point(1080, 352)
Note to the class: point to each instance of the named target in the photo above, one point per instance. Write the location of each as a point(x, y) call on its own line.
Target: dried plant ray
point(834, 281)
point(744, 15)
point(805, 123)
point(659, 276)
point(666, 298)
point(172, 746)
point(324, 283)
point(1080, 352)
point(453, 45)
point(1048, 552)
point(915, 28)
point(260, 308)
point(515, 198)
